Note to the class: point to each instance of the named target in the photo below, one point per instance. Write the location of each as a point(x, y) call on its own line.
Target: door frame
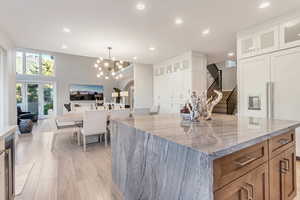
point(41, 102)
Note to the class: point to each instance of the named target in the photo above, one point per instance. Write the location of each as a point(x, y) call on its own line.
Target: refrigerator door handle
point(271, 100)
point(268, 99)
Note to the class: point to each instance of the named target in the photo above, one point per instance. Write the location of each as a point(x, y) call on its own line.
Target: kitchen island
point(228, 158)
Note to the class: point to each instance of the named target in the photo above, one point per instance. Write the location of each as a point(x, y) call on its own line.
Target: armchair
point(25, 115)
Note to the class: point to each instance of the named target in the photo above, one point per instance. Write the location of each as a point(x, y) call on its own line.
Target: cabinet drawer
point(281, 143)
point(233, 166)
point(254, 185)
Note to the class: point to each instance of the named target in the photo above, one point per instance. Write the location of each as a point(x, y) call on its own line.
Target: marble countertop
point(221, 136)
point(7, 130)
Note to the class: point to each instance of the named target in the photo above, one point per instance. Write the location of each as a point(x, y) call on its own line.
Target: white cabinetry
point(264, 41)
point(268, 40)
point(172, 86)
point(273, 79)
point(280, 35)
point(290, 33)
point(247, 46)
point(253, 79)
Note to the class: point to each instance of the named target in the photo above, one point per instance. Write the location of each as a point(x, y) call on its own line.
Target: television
point(86, 92)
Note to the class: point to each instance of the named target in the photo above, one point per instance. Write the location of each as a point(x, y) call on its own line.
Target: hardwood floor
point(68, 173)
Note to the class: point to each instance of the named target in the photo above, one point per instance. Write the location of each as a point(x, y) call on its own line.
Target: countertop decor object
point(199, 107)
point(163, 157)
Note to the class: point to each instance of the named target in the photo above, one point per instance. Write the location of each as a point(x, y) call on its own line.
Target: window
point(47, 65)
point(19, 95)
point(48, 98)
point(34, 64)
point(19, 62)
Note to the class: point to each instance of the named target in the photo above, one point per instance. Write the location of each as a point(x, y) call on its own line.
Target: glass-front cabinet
point(268, 40)
point(247, 46)
point(261, 42)
point(290, 33)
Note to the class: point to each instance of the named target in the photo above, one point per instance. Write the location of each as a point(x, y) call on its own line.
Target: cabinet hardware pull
point(248, 197)
point(244, 160)
point(283, 141)
point(252, 191)
point(283, 166)
point(287, 161)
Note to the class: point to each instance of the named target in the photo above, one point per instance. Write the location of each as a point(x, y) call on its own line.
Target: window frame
point(40, 68)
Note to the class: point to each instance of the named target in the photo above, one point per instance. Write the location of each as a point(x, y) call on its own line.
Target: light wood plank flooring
point(69, 173)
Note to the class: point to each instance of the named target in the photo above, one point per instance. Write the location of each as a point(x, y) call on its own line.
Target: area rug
point(22, 174)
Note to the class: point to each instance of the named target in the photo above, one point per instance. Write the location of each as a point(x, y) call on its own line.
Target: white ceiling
point(95, 24)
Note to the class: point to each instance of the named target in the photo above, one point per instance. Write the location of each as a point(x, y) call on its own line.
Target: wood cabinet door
point(253, 185)
point(290, 184)
point(283, 176)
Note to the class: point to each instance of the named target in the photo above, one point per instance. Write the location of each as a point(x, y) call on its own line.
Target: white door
point(285, 77)
point(253, 78)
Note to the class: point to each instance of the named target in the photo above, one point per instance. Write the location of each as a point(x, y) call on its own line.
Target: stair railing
point(217, 75)
point(231, 101)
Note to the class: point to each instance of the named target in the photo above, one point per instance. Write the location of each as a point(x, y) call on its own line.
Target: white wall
point(71, 69)
point(7, 82)
point(143, 86)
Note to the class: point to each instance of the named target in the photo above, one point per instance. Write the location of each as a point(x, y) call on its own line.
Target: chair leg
point(78, 137)
point(53, 141)
point(84, 143)
point(105, 139)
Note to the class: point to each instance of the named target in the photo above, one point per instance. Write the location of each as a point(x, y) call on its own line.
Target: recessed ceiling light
point(96, 65)
point(152, 48)
point(140, 6)
point(66, 30)
point(205, 31)
point(178, 21)
point(264, 4)
point(98, 75)
point(134, 58)
point(231, 54)
point(106, 77)
point(64, 46)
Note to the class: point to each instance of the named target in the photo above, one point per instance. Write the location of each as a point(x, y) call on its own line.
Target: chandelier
point(110, 67)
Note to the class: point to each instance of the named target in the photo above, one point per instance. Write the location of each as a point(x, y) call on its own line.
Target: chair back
point(94, 122)
point(119, 114)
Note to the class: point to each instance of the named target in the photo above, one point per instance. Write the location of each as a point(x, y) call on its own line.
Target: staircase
point(221, 107)
point(229, 101)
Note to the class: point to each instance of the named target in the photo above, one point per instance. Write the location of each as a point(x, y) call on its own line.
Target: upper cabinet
point(261, 42)
point(268, 40)
point(290, 33)
point(279, 35)
point(247, 46)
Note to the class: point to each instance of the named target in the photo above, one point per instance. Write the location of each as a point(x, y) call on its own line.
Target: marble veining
point(163, 158)
point(216, 138)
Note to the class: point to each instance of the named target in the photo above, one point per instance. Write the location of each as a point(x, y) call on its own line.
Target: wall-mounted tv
point(86, 92)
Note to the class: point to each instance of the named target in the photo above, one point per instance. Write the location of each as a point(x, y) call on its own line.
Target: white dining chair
point(94, 123)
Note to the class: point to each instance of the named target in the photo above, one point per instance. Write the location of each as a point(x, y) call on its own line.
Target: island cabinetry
point(281, 143)
point(233, 166)
point(252, 186)
point(283, 176)
point(265, 171)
